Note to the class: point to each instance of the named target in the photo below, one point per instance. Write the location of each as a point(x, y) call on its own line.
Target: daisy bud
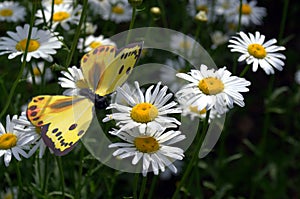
point(155, 11)
point(201, 16)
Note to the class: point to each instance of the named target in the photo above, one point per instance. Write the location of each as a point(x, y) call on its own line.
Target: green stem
point(131, 24)
point(152, 187)
point(44, 185)
point(194, 157)
point(163, 13)
point(78, 188)
point(143, 187)
point(20, 184)
point(238, 30)
point(283, 21)
point(61, 172)
point(135, 186)
point(16, 82)
point(244, 71)
point(77, 33)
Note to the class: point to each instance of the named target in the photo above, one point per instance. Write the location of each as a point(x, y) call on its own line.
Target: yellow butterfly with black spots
point(65, 119)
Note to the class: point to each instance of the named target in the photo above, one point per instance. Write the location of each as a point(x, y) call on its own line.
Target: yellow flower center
point(6, 12)
point(184, 45)
point(202, 8)
point(57, 2)
point(144, 112)
point(95, 44)
point(257, 51)
point(146, 144)
point(246, 9)
point(36, 71)
point(33, 45)
point(8, 196)
point(117, 10)
point(8, 141)
point(211, 86)
point(60, 16)
point(194, 109)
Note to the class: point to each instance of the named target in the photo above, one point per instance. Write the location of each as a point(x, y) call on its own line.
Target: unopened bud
point(201, 16)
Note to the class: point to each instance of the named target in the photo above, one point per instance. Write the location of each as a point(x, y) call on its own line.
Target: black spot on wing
point(128, 70)
point(72, 127)
point(121, 69)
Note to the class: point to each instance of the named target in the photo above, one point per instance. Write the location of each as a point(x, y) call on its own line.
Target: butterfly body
point(65, 119)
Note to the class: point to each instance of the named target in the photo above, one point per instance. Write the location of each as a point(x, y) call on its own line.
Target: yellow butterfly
point(65, 119)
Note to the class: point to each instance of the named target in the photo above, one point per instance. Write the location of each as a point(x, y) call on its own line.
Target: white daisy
point(120, 11)
point(11, 11)
point(12, 142)
point(182, 44)
point(144, 110)
point(212, 89)
point(40, 72)
point(150, 146)
point(25, 126)
point(9, 193)
point(47, 3)
point(297, 77)
point(251, 14)
point(224, 7)
point(91, 42)
point(89, 28)
point(73, 80)
point(256, 51)
point(218, 38)
point(193, 112)
point(63, 14)
point(42, 44)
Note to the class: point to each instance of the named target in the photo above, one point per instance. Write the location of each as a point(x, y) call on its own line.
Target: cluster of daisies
point(143, 118)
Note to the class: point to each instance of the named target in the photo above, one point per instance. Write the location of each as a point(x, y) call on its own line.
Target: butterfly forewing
point(63, 120)
point(119, 69)
point(93, 64)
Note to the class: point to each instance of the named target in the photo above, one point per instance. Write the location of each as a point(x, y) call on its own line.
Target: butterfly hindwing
point(106, 67)
point(63, 120)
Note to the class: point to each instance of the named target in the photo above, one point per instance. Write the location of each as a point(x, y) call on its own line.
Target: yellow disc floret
point(117, 10)
point(246, 9)
point(194, 109)
point(6, 12)
point(95, 44)
point(211, 86)
point(60, 16)
point(257, 51)
point(144, 112)
point(8, 141)
point(33, 45)
point(146, 144)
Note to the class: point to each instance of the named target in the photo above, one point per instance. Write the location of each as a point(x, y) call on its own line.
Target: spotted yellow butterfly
point(65, 119)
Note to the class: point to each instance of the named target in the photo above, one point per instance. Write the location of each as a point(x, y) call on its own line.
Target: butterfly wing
point(63, 120)
point(106, 67)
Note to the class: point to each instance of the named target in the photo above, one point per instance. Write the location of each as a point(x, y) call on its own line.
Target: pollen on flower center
point(146, 144)
point(117, 10)
point(60, 16)
point(33, 45)
point(8, 141)
point(211, 86)
point(6, 12)
point(95, 44)
point(194, 109)
point(246, 9)
point(144, 112)
point(257, 51)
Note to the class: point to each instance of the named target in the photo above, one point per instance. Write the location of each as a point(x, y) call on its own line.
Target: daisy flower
point(11, 11)
point(193, 112)
point(150, 146)
point(40, 72)
point(42, 44)
point(63, 15)
point(121, 11)
point(218, 38)
point(212, 89)
point(9, 193)
point(256, 51)
point(251, 14)
point(73, 80)
point(25, 126)
point(144, 110)
point(297, 77)
point(224, 7)
point(92, 42)
point(182, 44)
point(12, 142)
point(47, 3)
point(101, 7)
